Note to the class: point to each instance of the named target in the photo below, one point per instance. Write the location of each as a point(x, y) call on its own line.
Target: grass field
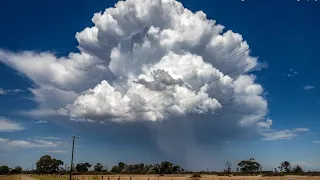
point(167, 177)
point(12, 177)
point(50, 177)
point(183, 177)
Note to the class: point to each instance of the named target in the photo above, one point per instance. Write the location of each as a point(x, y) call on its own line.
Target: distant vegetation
point(48, 165)
point(5, 170)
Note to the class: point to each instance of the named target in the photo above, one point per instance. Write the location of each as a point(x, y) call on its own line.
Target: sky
point(193, 82)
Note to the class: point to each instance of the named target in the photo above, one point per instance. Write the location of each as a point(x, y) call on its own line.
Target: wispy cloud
point(56, 151)
point(39, 113)
point(41, 122)
point(10, 91)
point(47, 138)
point(272, 135)
point(38, 143)
point(292, 73)
point(7, 125)
point(317, 142)
point(308, 87)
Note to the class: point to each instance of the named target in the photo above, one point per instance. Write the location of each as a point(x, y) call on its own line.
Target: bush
point(95, 178)
point(195, 176)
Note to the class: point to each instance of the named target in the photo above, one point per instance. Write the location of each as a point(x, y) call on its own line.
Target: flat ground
point(155, 177)
point(26, 178)
point(183, 177)
point(13, 177)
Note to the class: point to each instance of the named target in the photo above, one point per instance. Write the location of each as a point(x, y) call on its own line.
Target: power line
point(215, 79)
point(243, 50)
point(232, 56)
point(214, 66)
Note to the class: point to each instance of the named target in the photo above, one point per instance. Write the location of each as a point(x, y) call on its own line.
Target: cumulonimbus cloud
point(139, 54)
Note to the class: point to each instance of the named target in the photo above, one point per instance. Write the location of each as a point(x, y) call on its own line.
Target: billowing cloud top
point(139, 63)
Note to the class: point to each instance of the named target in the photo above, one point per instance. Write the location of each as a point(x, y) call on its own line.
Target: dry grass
point(187, 177)
point(11, 177)
point(50, 177)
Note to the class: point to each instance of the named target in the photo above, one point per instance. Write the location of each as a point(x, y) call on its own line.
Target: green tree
point(182, 170)
point(249, 166)
point(121, 166)
point(83, 167)
point(142, 169)
point(4, 170)
point(297, 169)
point(56, 163)
point(98, 167)
point(176, 169)
point(166, 167)
point(115, 169)
point(285, 166)
point(16, 170)
point(48, 165)
point(149, 168)
point(156, 168)
point(137, 169)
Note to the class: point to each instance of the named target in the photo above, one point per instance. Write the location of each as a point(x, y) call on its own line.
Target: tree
point(48, 165)
point(121, 166)
point(98, 167)
point(136, 169)
point(182, 170)
point(156, 168)
point(176, 169)
point(56, 163)
point(227, 167)
point(149, 169)
point(166, 167)
point(83, 167)
point(249, 166)
point(115, 169)
point(285, 166)
point(16, 170)
point(4, 170)
point(297, 169)
point(141, 167)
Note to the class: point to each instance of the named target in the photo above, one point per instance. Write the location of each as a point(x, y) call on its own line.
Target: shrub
point(95, 178)
point(195, 176)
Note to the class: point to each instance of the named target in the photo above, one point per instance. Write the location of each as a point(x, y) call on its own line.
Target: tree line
point(48, 165)
point(6, 170)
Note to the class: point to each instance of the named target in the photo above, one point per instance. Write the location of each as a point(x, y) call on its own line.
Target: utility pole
point(71, 166)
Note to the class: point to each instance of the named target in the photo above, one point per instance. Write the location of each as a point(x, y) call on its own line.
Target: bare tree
point(227, 167)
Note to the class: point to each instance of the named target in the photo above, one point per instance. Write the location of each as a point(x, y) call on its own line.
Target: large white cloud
point(133, 66)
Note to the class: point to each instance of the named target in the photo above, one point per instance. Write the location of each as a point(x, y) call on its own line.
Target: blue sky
point(282, 35)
